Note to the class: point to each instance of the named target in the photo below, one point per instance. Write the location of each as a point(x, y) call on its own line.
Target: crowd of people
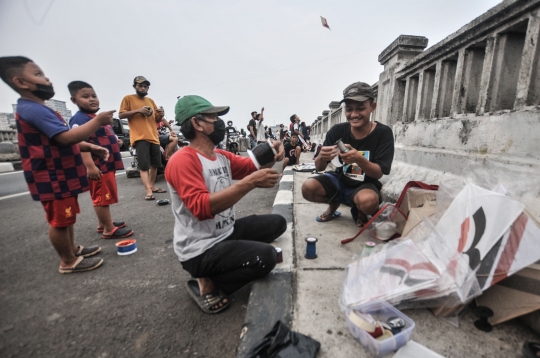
point(221, 253)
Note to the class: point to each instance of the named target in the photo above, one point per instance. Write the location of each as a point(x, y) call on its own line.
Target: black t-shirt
point(253, 123)
point(290, 151)
point(379, 143)
point(305, 131)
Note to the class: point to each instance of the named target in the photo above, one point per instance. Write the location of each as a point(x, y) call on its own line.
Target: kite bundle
point(480, 238)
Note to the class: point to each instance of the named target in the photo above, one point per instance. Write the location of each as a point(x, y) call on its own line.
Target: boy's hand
point(93, 173)
point(101, 152)
point(105, 118)
point(280, 151)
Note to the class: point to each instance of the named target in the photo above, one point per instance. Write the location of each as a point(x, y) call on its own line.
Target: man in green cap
point(222, 254)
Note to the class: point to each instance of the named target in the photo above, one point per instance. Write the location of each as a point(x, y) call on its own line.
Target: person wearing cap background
point(143, 114)
point(355, 181)
point(222, 254)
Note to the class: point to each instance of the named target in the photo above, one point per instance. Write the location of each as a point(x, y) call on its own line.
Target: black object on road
point(163, 202)
point(531, 350)
point(281, 342)
point(483, 313)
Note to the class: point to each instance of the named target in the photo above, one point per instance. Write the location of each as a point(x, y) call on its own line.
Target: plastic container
point(381, 311)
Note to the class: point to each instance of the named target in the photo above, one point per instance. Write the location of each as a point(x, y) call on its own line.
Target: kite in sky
point(325, 23)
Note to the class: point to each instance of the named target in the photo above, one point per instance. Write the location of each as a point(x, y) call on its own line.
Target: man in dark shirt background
point(355, 181)
point(252, 130)
point(292, 151)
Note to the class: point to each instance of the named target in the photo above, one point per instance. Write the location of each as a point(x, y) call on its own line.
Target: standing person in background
point(252, 130)
point(102, 173)
point(305, 130)
point(261, 137)
point(143, 114)
point(282, 132)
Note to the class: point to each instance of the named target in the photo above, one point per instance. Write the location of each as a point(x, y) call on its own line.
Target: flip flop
point(87, 251)
point(149, 197)
point(118, 233)
point(82, 265)
point(206, 302)
point(335, 214)
point(159, 190)
point(116, 224)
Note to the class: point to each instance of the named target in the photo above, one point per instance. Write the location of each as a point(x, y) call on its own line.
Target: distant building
point(5, 120)
point(54, 104)
point(60, 107)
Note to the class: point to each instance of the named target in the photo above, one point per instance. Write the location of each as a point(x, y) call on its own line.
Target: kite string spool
point(311, 249)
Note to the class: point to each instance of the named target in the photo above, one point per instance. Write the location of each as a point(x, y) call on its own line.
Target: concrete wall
point(468, 106)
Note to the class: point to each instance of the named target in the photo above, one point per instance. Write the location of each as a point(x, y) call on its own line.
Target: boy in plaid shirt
point(102, 173)
point(51, 158)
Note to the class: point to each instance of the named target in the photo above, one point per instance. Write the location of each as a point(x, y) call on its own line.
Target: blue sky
point(245, 54)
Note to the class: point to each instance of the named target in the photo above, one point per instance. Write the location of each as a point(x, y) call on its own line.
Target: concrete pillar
point(406, 101)
point(412, 95)
point(472, 76)
point(393, 92)
point(436, 86)
point(334, 107)
point(487, 69)
point(419, 91)
point(428, 82)
point(528, 86)
point(505, 71)
point(458, 83)
point(446, 88)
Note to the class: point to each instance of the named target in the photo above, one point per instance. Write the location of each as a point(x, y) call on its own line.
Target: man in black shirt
point(252, 129)
point(292, 151)
point(370, 151)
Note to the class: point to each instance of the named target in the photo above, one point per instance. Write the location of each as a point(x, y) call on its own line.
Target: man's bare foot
point(206, 286)
point(362, 219)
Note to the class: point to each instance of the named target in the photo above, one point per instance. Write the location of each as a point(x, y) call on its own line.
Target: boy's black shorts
point(148, 155)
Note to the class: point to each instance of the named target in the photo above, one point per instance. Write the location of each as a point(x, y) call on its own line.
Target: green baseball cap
point(188, 106)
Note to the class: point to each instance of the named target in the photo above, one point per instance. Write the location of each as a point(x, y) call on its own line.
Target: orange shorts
point(62, 212)
point(104, 192)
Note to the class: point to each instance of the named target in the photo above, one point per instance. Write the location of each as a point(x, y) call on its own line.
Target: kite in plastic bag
point(518, 248)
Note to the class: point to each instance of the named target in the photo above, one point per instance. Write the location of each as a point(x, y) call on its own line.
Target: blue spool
point(311, 249)
point(126, 247)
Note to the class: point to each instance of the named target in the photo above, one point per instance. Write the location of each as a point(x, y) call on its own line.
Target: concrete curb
point(6, 167)
point(271, 298)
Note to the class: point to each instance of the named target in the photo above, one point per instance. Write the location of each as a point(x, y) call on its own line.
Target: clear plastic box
point(381, 311)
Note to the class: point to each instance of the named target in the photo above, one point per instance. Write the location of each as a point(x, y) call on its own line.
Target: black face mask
point(219, 132)
point(45, 92)
point(141, 94)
